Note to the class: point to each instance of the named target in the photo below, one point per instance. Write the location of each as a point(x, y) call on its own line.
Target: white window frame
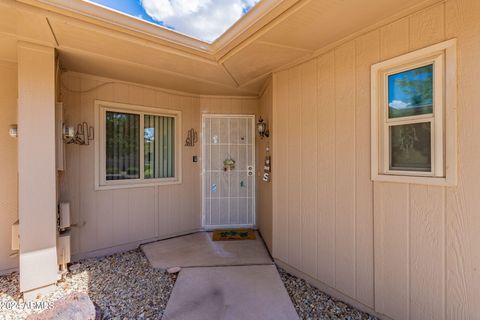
point(101, 183)
point(442, 121)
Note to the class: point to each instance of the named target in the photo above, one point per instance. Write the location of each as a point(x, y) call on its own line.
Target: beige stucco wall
point(8, 160)
point(264, 195)
point(116, 219)
point(407, 251)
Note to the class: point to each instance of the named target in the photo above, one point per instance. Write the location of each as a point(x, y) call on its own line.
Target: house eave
point(260, 15)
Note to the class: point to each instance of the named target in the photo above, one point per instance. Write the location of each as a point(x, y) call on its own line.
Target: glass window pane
point(123, 146)
point(410, 93)
point(410, 147)
point(159, 139)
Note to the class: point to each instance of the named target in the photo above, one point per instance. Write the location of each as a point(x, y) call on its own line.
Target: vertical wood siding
point(8, 159)
point(110, 218)
point(322, 228)
point(264, 189)
point(463, 202)
point(407, 251)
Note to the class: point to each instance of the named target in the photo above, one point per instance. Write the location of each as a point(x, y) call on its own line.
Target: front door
point(228, 171)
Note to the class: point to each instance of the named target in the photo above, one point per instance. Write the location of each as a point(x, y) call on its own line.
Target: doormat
point(237, 234)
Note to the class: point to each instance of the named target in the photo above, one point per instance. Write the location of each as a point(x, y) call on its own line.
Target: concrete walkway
point(225, 280)
point(230, 293)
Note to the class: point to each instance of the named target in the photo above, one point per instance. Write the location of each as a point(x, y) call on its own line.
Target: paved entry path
point(224, 280)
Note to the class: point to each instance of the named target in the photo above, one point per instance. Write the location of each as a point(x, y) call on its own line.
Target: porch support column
point(36, 169)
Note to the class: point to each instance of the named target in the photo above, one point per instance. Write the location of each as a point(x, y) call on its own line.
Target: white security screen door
point(228, 171)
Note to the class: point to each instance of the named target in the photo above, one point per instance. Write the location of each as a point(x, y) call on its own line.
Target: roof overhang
point(260, 15)
point(274, 35)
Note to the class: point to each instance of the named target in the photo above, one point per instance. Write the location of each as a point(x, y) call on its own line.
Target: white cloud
point(202, 19)
point(399, 104)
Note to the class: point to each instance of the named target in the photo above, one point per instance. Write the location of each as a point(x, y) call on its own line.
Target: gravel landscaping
point(123, 286)
point(311, 303)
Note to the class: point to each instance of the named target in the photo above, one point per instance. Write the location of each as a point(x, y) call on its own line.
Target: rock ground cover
point(311, 303)
point(125, 286)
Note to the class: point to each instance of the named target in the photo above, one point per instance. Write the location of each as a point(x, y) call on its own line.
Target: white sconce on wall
point(68, 133)
point(13, 131)
point(262, 128)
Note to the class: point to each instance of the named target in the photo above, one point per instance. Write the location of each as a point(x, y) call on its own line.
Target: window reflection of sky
point(149, 134)
point(410, 89)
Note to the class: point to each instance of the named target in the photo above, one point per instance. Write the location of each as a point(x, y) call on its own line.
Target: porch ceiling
point(275, 35)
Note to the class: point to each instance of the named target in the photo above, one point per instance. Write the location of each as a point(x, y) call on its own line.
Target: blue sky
point(202, 19)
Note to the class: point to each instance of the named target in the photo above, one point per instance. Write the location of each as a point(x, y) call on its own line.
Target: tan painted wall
point(110, 218)
point(8, 159)
point(409, 251)
point(37, 179)
point(264, 196)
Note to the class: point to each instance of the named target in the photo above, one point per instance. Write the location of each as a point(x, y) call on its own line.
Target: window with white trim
point(137, 145)
point(413, 117)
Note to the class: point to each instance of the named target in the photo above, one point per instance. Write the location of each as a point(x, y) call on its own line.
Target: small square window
point(138, 146)
point(413, 117)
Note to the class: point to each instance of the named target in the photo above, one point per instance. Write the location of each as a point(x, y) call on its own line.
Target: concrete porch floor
point(221, 279)
point(199, 250)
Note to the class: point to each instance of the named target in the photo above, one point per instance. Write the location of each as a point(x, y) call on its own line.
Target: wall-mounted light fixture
point(68, 133)
point(262, 128)
point(13, 131)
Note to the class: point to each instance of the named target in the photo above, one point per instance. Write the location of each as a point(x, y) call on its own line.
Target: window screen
point(159, 139)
